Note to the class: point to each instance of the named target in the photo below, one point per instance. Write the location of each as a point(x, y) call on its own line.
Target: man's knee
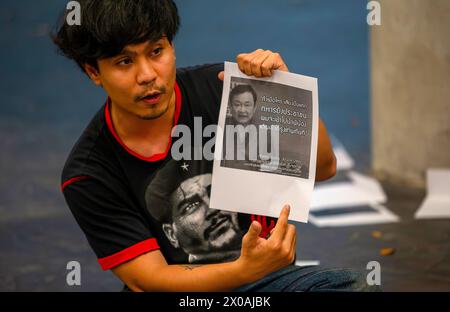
point(337, 279)
point(354, 280)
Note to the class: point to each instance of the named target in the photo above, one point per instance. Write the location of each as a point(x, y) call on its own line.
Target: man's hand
point(261, 256)
point(259, 63)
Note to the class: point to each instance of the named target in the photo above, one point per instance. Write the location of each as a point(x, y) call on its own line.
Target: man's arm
point(259, 257)
point(261, 63)
point(150, 272)
point(326, 161)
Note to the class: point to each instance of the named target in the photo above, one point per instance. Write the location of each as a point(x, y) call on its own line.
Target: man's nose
point(146, 73)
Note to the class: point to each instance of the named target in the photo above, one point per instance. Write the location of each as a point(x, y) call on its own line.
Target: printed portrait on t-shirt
point(178, 198)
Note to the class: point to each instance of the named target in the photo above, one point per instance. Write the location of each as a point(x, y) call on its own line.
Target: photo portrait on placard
point(267, 128)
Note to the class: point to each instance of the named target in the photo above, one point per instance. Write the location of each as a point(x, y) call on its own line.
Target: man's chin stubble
point(155, 115)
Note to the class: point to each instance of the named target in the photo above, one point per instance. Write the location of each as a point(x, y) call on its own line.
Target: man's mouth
point(151, 98)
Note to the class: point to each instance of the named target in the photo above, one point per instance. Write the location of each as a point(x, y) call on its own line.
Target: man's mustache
point(209, 229)
point(144, 94)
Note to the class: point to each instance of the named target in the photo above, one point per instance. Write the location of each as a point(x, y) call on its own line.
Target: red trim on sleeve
point(128, 254)
point(72, 180)
point(154, 157)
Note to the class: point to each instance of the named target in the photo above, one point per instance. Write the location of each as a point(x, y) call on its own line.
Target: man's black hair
point(242, 88)
point(107, 26)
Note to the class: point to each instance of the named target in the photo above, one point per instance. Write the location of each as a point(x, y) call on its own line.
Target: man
point(243, 104)
point(126, 47)
point(241, 137)
point(179, 198)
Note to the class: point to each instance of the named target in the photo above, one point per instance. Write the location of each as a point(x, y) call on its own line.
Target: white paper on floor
point(360, 191)
point(343, 159)
point(437, 202)
point(357, 202)
point(307, 262)
point(378, 214)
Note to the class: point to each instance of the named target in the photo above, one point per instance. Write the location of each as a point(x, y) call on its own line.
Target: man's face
point(140, 80)
point(197, 227)
point(243, 107)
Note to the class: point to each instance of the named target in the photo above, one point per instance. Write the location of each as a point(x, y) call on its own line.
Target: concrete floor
point(46, 102)
point(421, 258)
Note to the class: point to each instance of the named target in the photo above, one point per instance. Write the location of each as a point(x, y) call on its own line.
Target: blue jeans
point(310, 278)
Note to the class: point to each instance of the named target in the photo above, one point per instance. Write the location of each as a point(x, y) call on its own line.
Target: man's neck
point(146, 137)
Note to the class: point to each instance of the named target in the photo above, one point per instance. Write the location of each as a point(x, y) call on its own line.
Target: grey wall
point(410, 81)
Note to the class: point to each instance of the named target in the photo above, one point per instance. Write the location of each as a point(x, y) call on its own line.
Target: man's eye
point(157, 51)
point(191, 206)
point(124, 62)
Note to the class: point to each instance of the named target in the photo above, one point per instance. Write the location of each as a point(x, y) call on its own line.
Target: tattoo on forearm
point(190, 267)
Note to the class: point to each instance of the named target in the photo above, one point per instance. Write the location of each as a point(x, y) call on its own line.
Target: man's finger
point(273, 62)
point(291, 235)
point(281, 226)
point(253, 232)
point(294, 248)
point(257, 61)
point(245, 61)
point(241, 61)
point(221, 75)
point(247, 65)
point(294, 243)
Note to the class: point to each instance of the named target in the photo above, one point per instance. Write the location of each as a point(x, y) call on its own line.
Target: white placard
point(291, 102)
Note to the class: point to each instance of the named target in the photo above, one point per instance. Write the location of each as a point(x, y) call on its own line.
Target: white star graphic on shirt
point(185, 166)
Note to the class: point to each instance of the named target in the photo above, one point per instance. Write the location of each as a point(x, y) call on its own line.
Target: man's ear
point(170, 234)
point(93, 74)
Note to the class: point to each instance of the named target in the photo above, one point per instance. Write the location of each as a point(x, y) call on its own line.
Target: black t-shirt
point(127, 204)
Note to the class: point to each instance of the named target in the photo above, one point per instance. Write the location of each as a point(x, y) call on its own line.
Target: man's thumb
point(254, 230)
